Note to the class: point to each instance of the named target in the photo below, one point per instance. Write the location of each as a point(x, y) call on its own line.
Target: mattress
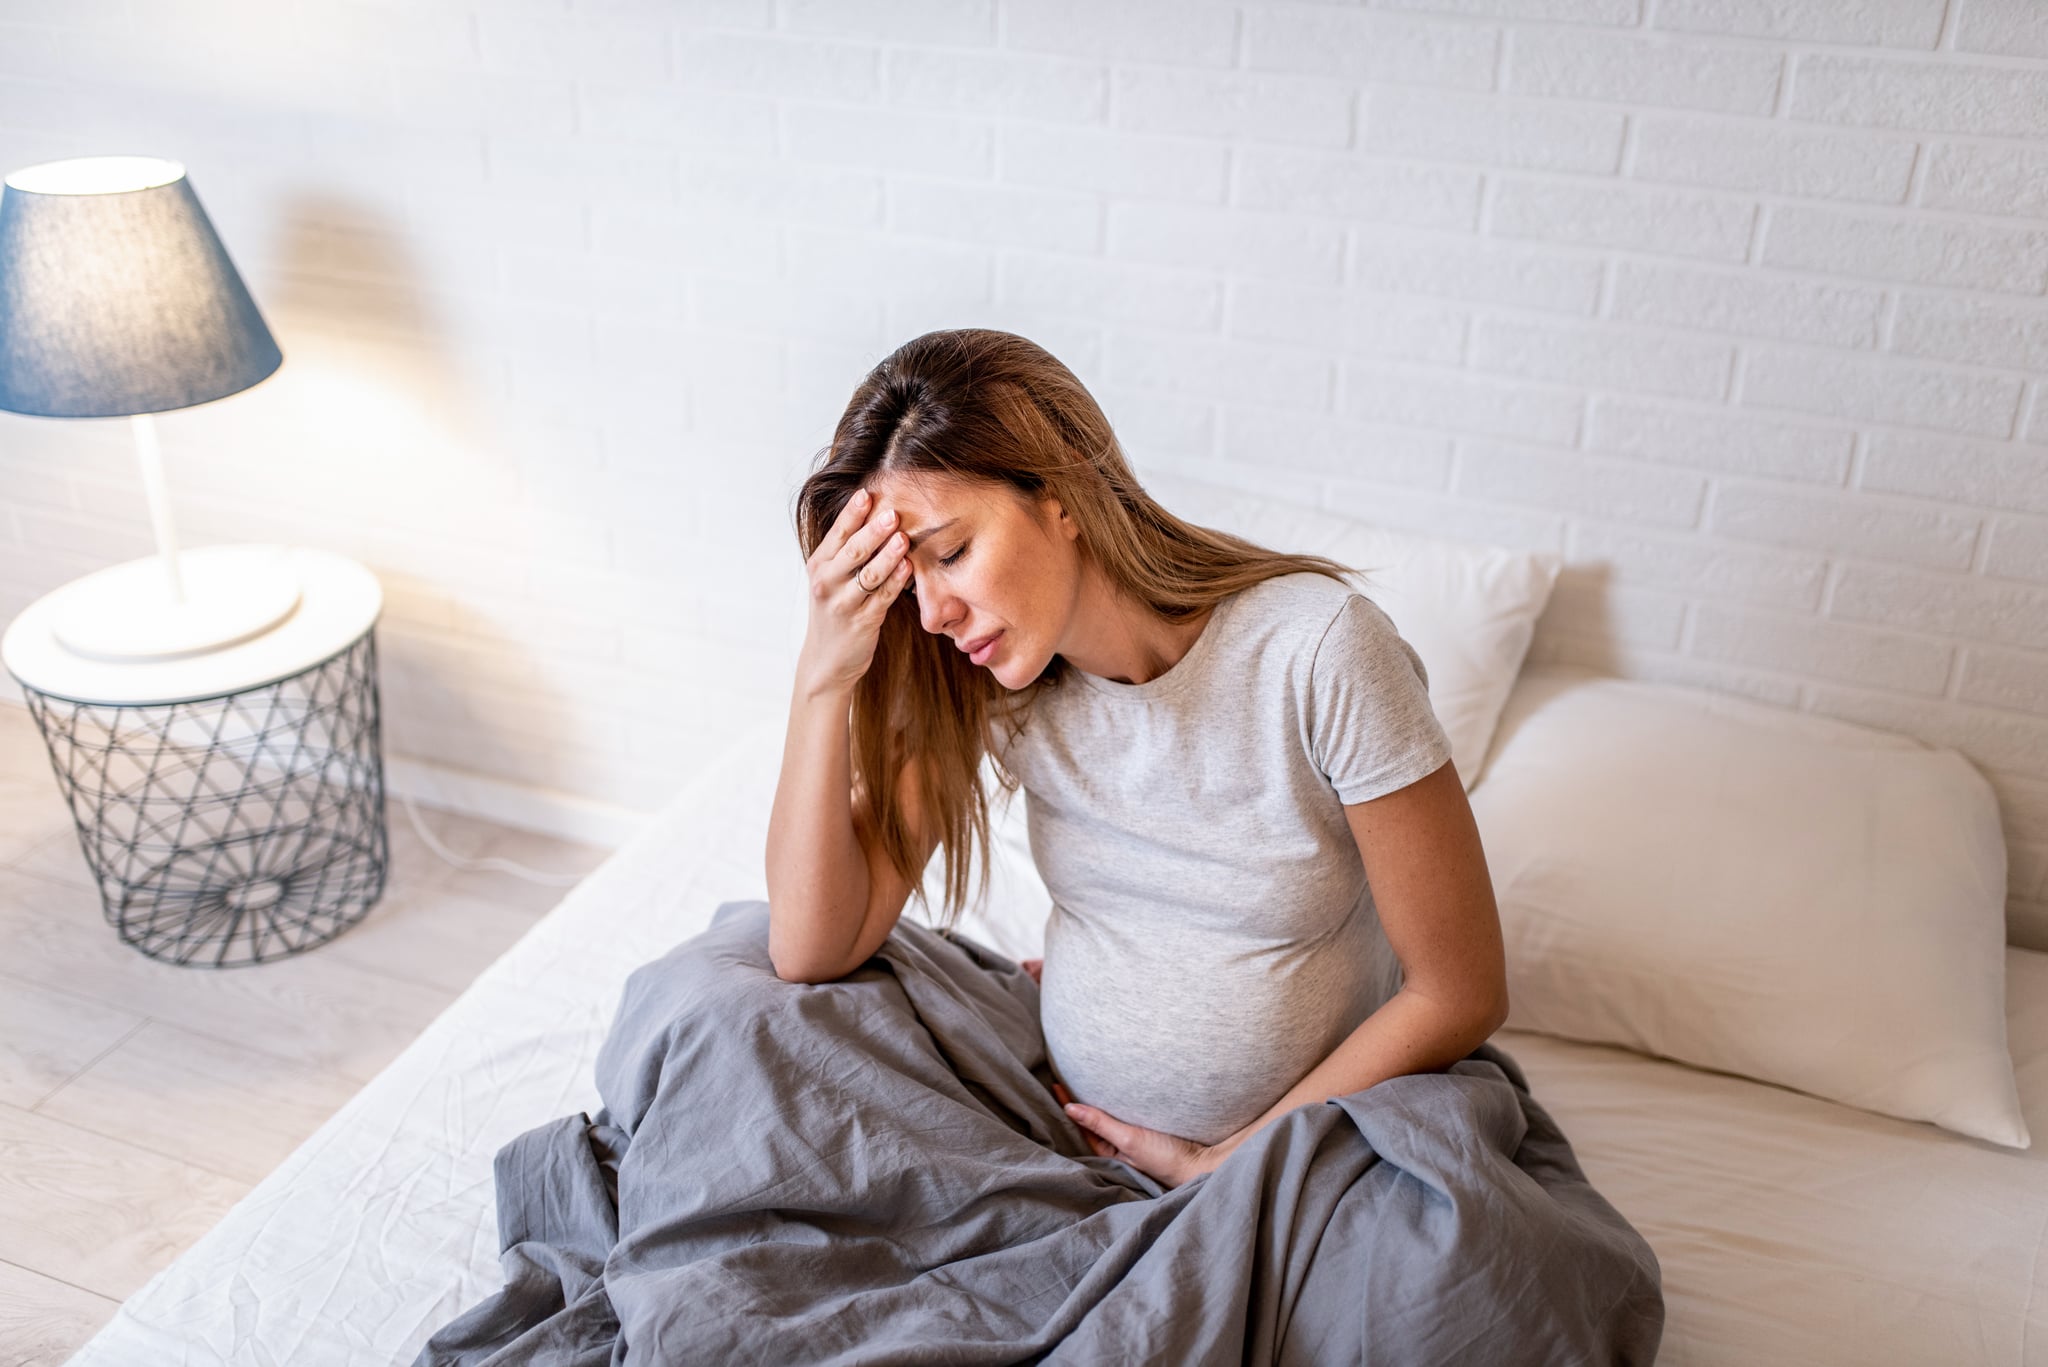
point(1789, 1229)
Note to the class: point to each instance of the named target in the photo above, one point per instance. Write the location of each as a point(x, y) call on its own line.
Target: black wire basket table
point(237, 827)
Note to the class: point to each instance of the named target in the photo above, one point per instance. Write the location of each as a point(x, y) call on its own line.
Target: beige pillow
point(1755, 890)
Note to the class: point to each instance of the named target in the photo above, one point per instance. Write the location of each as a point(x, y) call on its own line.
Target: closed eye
point(944, 560)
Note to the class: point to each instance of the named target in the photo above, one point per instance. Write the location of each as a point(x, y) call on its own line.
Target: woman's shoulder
point(1308, 624)
point(1304, 603)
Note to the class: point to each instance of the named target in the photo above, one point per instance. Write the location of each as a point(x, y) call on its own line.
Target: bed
point(1789, 1229)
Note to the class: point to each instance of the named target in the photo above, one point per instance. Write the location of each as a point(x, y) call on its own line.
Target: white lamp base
point(130, 612)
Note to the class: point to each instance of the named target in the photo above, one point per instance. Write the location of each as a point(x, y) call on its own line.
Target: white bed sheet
point(1790, 1230)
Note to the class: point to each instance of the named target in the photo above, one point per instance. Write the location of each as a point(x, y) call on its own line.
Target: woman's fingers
point(878, 569)
point(882, 576)
point(851, 544)
point(865, 540)
point(853, 577)
point(852, 514)
point(883, 561)
point(864, 543)
point(1095, 1141)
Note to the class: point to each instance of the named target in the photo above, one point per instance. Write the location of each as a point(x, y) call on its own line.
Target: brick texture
point(1739, 305)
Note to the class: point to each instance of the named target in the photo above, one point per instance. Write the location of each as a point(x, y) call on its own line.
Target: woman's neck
point(1124, 641)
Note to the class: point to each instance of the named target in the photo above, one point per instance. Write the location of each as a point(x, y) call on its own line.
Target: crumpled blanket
point(876, 1171)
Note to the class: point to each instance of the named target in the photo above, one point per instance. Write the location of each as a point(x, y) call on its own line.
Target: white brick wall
point(1738, 304)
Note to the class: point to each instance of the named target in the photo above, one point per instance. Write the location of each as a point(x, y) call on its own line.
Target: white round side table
point(230, 803)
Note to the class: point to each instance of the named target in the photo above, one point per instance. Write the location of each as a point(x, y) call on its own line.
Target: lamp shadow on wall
point(396, 460)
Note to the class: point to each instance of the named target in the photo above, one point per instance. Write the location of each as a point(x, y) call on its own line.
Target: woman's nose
point(935, 610)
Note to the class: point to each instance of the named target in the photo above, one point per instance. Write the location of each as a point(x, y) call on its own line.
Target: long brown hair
point(979, 404)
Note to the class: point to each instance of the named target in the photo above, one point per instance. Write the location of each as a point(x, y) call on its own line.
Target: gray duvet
point(875, 1170)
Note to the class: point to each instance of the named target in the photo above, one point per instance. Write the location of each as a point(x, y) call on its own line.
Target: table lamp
point(117, 299)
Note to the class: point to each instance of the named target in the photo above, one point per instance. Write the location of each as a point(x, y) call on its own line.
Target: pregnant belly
point(1196, 1038)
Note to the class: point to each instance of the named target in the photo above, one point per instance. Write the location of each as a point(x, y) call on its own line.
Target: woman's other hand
point(855, 574)
point(1167, 1159)
point(1066, 1100)
point(1036, 968)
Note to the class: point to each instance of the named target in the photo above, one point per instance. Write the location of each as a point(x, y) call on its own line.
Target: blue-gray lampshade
point(118, 301)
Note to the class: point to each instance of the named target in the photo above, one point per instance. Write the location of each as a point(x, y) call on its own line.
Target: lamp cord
point(520, 871)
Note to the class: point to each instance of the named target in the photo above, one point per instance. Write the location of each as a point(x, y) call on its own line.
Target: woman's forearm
point(817, 874)
point(1410, 1033)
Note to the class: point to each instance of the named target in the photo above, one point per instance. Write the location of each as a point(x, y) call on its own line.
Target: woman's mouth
point(981, 654)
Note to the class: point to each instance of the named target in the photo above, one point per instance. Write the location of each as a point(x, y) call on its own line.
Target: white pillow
point(1468, 609)
point(1759, 891)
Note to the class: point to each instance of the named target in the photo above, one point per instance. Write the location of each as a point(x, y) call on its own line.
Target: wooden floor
point(139, 1100)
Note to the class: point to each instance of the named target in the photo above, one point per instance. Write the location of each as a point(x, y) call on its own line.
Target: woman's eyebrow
point(912, 538)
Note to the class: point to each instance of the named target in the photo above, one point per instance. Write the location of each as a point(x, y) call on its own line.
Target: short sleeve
point(1371, 728)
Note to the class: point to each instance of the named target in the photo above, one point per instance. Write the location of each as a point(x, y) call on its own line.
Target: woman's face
point(987, 562)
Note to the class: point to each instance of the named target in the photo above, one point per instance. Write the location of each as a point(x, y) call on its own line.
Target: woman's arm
point(1429, 880)
point(817, 878)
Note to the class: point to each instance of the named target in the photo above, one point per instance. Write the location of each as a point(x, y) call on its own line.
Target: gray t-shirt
point(1212, 935)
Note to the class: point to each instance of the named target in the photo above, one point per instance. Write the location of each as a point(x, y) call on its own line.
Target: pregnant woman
point(1267, 886)
point(832, 1136)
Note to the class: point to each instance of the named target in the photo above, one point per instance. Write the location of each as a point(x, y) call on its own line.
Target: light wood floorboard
point(42, 1320)
point(139, 1100)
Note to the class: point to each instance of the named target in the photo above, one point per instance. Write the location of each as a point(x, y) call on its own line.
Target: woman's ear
point(1055, 514)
